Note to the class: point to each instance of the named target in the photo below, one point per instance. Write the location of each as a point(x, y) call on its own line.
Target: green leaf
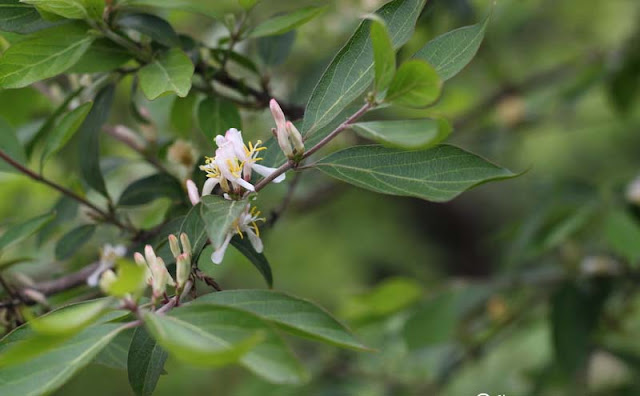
point(274, 50)
point(351, 71)
point(63, 131)
point(623, 235)
point(293, 314)
point(18, 232)
point(247, 4)
point(384, 55)
point(17, 17)
point(257, 259)
point(11, 146)
point(114, 355)
point(145, 362)
point(131, 278)
point(220, 216)
point(48, 371)
point(89, 140)
point(70, 320)
point(44, 54)
point(170, 72)
point(71, 9)
point(150, 188)
point(102, 56)
point(194, 227)
point(389, 297)
point(452, 51)
point(214, 9)
point(216, 115)
point(182, 112)
point(208, 335)
point(74, 240)
point(438, 174)
point(284, 23)
point(406, 134)
point(416, 84)
point(150, 25)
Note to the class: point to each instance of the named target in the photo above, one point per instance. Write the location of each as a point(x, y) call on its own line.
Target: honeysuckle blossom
point(286, 133)
point(233, 164)
point(108, 256)
point(246, 223)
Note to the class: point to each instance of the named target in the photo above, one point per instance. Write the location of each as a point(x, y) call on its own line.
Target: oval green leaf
point(150, 188)
point(219, 216)
point(257, 259)
point(384, 55)
point(170, 72)
point(17, 17)
point(17, 232)
point(72, 319)
point(145, 362)
point(405, 134)
point(74, 240)
point(284, 23)
point(150, 25)
point(416, 84)
point(216, 115)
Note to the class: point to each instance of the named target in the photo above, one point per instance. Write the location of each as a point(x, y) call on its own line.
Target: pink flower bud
point(296, 137)
point(277, 113)
point(192, 190)
point(183, 269)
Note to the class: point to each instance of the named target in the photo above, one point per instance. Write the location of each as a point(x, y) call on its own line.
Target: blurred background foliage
point(527, 286)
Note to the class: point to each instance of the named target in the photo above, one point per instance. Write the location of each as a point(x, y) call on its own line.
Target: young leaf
point(89, 140)
point(63, 131)
point(452, 51)
point(151, 25)
point(171, 72)
point(72, 319)
point(622, 233)
point(293, 314)
point(208, 335)
point(284, 23)
point(351, 71)
point(102, 56)
point(384, 56)
point(18, 232)
point(150, 188)
point(220, 216)
point(145, 362)
point(73, 240)
point(216, 115)
point(438, 174)
point(48, 371)
point(405, 134)
point(416, 84)
point(71, 9)
point(131, 278)
point(17, 17)
point(44, 54)
point(11, 146)
point(388, 297)
point(257, 259)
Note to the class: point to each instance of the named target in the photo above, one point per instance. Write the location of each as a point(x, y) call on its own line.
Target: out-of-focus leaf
point(293, 314)
point(18, 232)
point(257, 259)
point(387, 298)
point(274, 50)
point(71, 9)
point(182, 112)
point(42, 55)
point(49, 370)
point(102, 56)
point(71, 320)
point(452, 51)
point(65, 210)
point(247, 4)
point(208, 335)
point(284, 23)
point(384, 55)
point(416, 84)
point(63, 132)
point(131, 278)
point(216, 115)
point(114, 355)
point(623, 235)
point(11, 146)
point(214, 9)
point(240, 59)
point(17, 17)
point(351, 71)
point(170, 72)
point(4, 264)
point(151, 25)
point(568, 227)
point(405, 134)
point(194, 227)
point(150, 188)
point(89, 140)
point(74, 240)
point(219, 216)
point(145, 362)
point(438, 174)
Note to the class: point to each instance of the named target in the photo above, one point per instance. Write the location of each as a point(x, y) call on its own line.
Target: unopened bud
point(107, 279)
point(139, 259)
point(150, 256)
point(192, 190)
point(296, 138)
point(174, 245)
point(186, 244)
point(183, 269)
point(36, 296)
point(278, 114)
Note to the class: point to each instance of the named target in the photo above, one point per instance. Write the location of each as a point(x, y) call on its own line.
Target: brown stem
point(107, 217)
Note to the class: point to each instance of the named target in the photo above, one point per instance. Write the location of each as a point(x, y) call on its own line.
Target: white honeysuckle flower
point(108, 256)
point(246, 223)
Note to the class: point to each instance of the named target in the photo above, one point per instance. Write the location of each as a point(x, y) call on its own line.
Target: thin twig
point(107, 217)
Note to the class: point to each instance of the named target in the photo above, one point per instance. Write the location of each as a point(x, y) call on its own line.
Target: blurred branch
point(130, 140)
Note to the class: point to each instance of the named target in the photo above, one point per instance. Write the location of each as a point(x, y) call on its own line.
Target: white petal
point(93, 279)
point(192, 191)
point(218, 254)
point(120, 250)
point(266, 171)
point(209, 185)
point(243, 183)
point(255, 240)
